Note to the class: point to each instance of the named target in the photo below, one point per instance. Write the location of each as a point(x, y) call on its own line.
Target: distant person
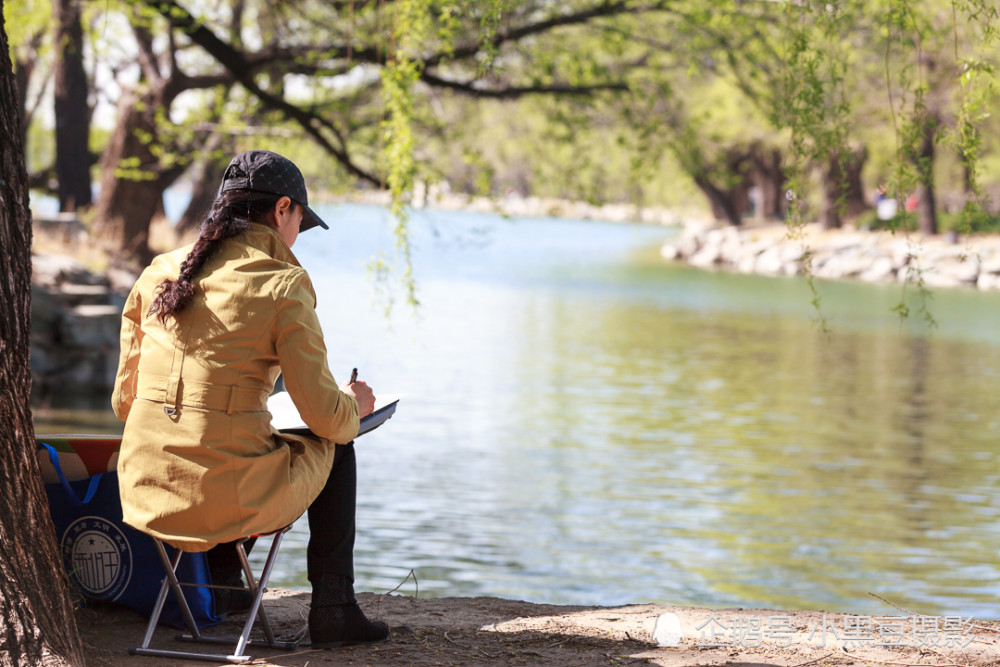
point(885, 206)
point(205, 333)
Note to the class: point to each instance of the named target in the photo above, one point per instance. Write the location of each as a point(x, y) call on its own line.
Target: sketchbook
point(285, 417)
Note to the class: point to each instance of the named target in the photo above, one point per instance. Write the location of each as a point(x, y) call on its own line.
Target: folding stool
point(257, 589)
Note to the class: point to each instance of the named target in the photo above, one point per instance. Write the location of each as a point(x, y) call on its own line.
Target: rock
point(747, 264)
point(63, 226)
point(670, 252)
point(75, 322)
point(988, 281)
point(715, 237)
point(121, 280)
point(769, 262)
point(792, 252)
point(75, 295)
point(51, 270)
point(791, 269)
point(952, 272)
point(667, 630)
point(91, 326)
point(938, 279)
point(882, 269)
point(845, 265)
point(990, 263)
point(688, 245)
point(706, 257)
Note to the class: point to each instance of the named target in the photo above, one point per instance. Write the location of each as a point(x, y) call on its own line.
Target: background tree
point(72, 111)
point(145, 154)
point(379, 86)
point(396, 95)
point(36, 618)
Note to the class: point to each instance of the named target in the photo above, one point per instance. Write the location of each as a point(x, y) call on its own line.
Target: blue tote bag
point(111, 561)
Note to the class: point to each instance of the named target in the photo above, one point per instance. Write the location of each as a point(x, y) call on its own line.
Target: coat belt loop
point(171, 395)
point(232, 400)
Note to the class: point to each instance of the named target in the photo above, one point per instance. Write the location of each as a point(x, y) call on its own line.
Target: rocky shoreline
point(871, 256)
point(75, 322)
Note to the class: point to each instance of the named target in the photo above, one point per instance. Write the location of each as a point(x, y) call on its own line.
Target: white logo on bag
point(98, 557)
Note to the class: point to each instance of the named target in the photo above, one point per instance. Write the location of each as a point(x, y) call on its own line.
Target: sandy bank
point(489, 631)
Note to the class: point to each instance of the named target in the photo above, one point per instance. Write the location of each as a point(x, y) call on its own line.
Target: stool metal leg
point(154, 617)
point(257, 589)
point(171, 571)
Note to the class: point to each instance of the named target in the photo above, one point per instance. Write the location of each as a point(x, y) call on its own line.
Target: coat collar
point(266, 239)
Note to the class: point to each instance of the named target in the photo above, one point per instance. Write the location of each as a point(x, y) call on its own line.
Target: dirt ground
point(489, 631)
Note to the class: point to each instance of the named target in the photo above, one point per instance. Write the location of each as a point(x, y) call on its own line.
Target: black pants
point(331, 527)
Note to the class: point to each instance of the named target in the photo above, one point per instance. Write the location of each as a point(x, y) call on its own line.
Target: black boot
point(225, 570)
point(335, 619)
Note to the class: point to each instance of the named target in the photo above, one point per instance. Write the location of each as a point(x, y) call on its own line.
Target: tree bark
point(833, 181)
point(72, 114)
point(133, 180)
point(206, 186)
point(37, 626)
point(128, 196)
point(926, 199)
point(768, 177)
point(842, 188)
point(854, 196)
point(722, 177)
point(723, 202)
point(133, 177)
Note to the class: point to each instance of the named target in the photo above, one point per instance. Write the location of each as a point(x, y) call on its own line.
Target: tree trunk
point(842, 188)
point(206, 186)
point(724, 185)
point(854, 194)
point(723, 206)
point(71, 112)
point(130, 190)
point(37, 626)
point(132, 178)
point(926, 199)
point(25, 67)
point(833, 193)
point(768, 177)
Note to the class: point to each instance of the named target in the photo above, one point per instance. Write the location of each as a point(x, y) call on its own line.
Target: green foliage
point(585, 99)
point(24, 19)
point(40, 148)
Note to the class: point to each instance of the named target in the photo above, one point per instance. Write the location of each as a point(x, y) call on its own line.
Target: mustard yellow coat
point(199, 462)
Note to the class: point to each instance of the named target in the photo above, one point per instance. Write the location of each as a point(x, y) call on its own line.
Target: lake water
point(585, 424)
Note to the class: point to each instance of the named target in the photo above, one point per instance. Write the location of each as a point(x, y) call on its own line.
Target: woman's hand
point(363, 394)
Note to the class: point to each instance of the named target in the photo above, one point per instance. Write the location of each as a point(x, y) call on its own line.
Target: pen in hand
point(354, 376)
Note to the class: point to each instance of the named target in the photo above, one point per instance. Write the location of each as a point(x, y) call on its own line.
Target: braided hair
point(231, 214)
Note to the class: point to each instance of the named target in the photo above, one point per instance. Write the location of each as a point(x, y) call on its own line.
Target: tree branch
point(181, 82)
point(502, 36)
point(147, 58)
point(513, 92)
point(305, 58)
point(235, 62)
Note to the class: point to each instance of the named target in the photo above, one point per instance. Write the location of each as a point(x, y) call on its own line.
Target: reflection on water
point(586, 425)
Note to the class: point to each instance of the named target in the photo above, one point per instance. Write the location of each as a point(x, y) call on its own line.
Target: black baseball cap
point(264, 171)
